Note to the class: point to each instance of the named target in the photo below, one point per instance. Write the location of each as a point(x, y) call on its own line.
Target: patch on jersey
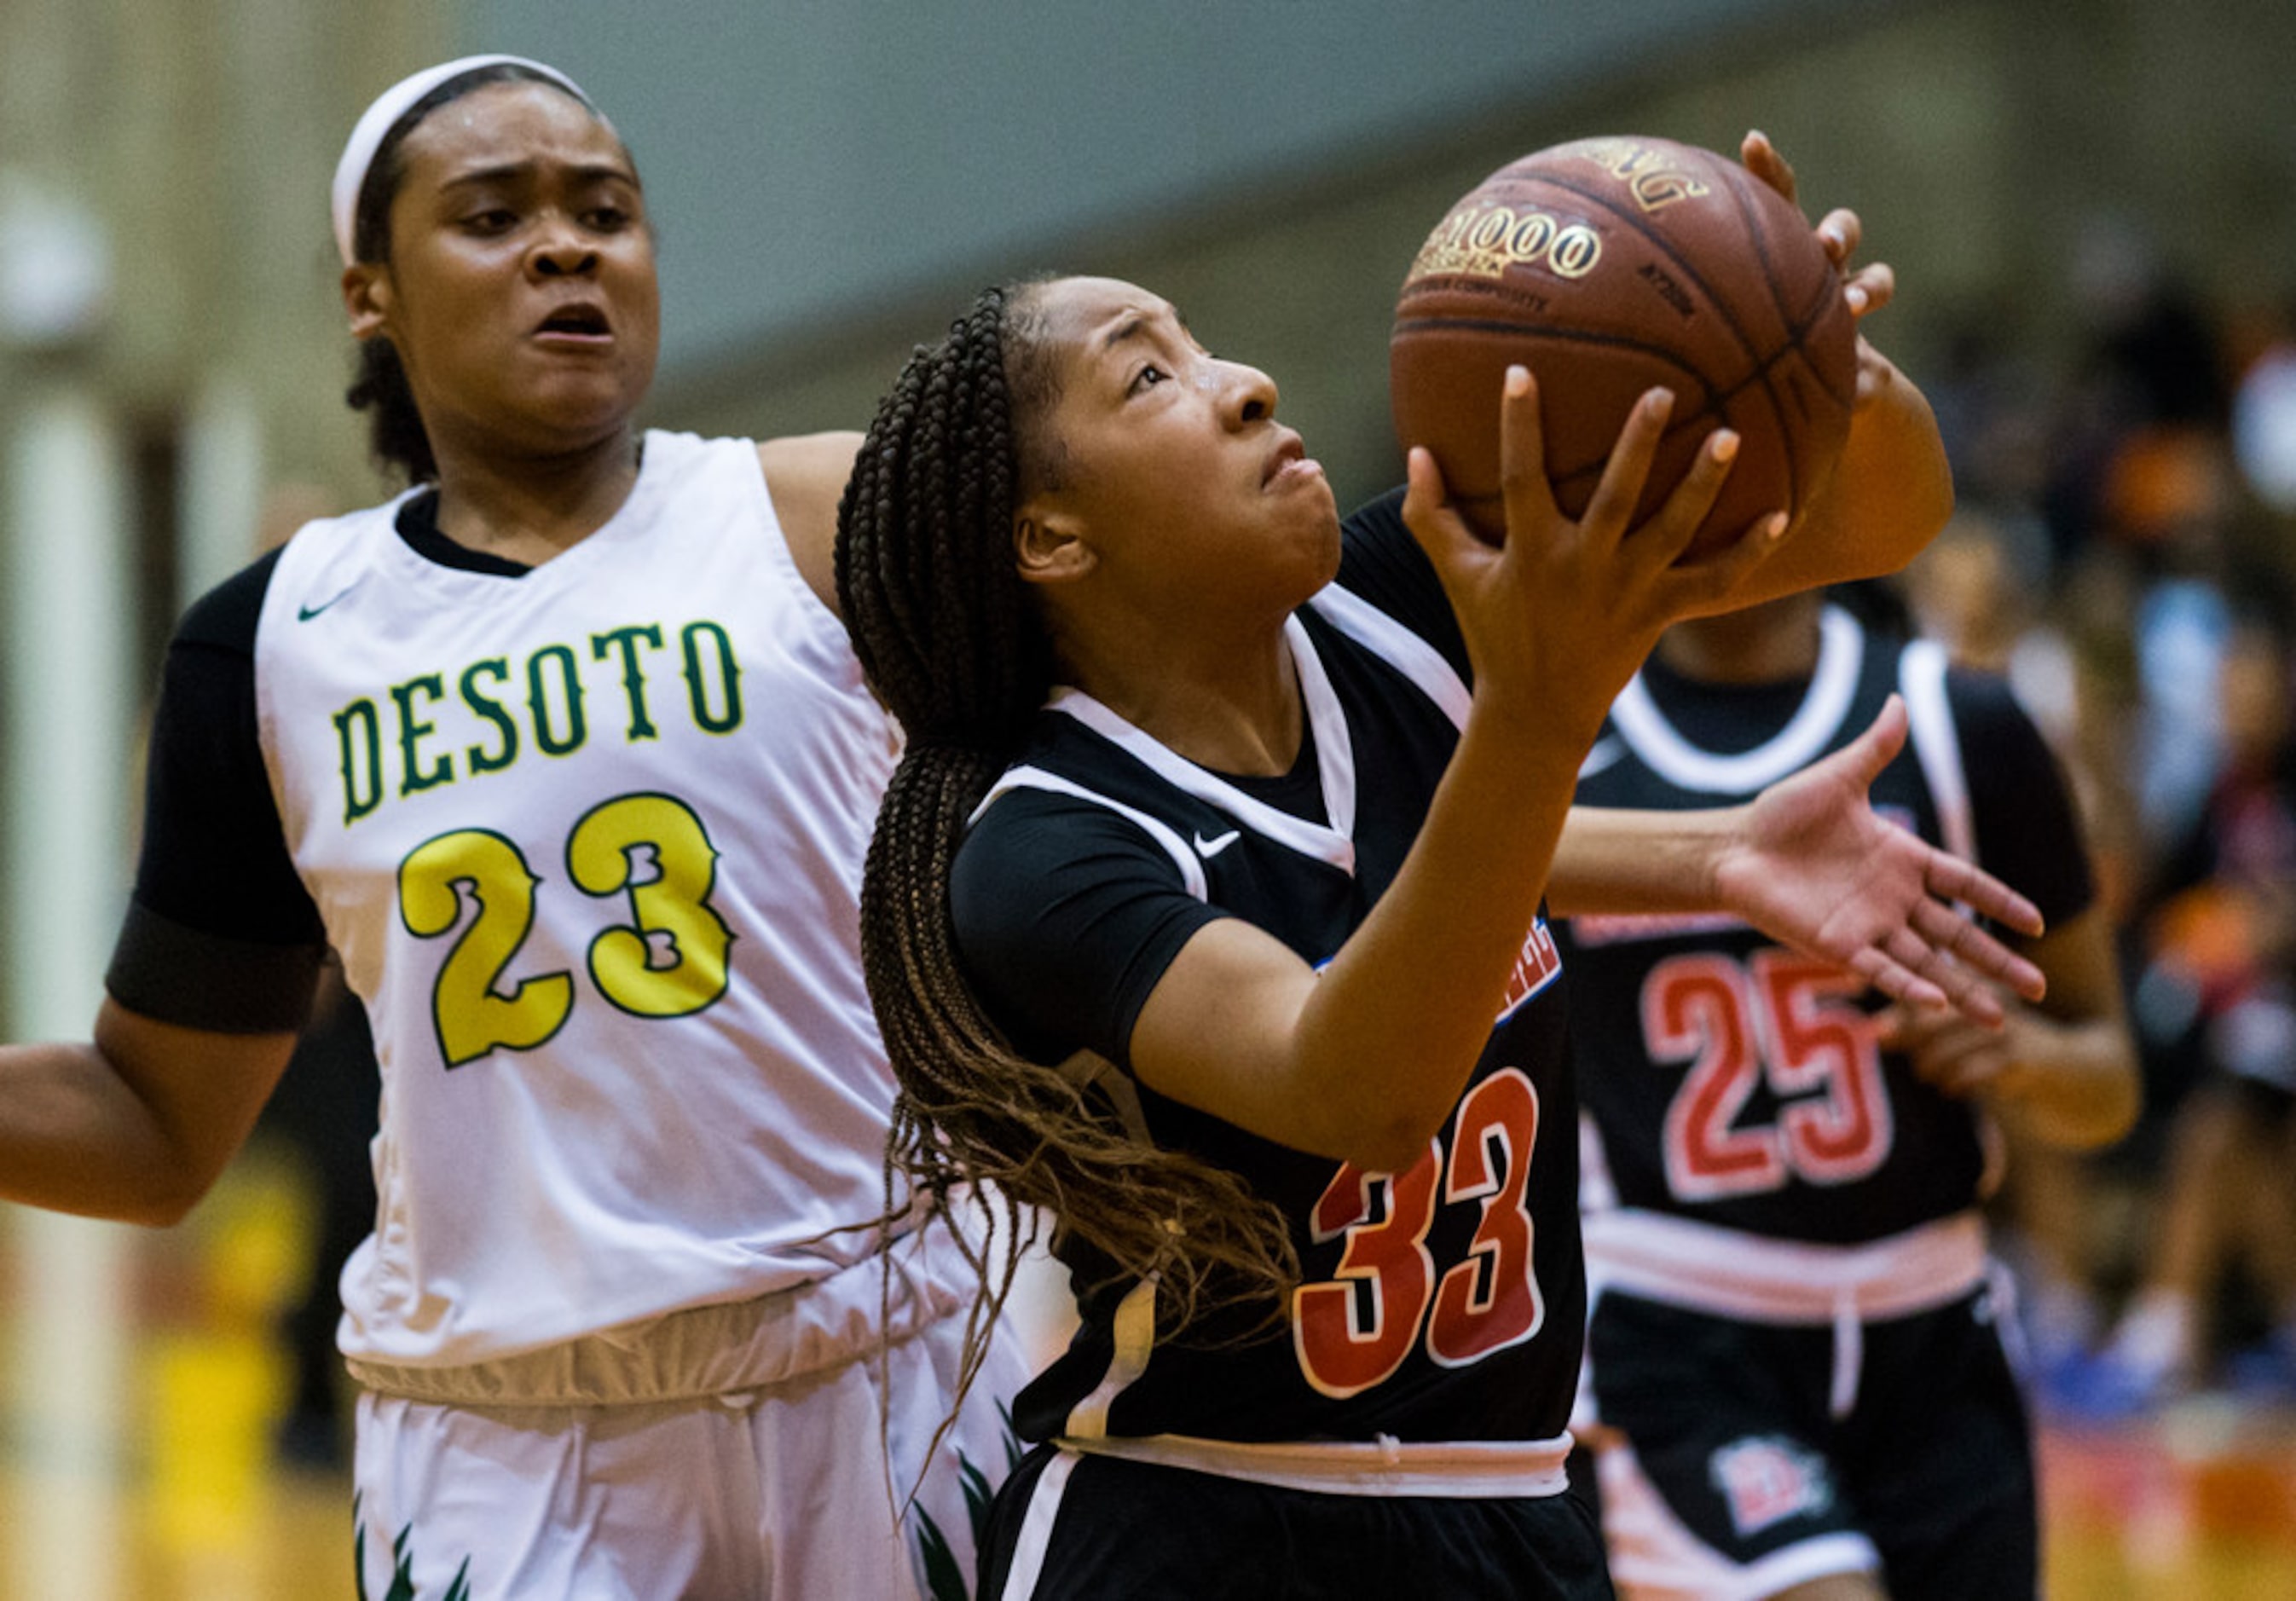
point(1537, 966)
point(1765, 1479)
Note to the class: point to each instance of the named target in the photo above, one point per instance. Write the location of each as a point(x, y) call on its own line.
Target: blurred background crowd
point(2124, 551)
point(2091, 205)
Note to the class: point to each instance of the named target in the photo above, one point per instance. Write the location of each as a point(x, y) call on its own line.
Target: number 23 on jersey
point(667, 959)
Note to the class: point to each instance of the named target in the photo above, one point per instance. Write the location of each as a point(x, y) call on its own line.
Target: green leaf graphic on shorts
point(944, 1579)
point(402, 1565)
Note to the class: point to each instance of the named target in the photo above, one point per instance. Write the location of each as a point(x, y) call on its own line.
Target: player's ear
point(368, 296)
point(1049, 543)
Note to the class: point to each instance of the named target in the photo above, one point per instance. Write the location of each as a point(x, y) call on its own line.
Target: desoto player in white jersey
point(565, 752)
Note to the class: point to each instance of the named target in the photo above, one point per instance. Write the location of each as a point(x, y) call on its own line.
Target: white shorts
point(782, 1491)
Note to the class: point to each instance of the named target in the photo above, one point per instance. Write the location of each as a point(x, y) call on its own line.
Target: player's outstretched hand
point(1813, 865)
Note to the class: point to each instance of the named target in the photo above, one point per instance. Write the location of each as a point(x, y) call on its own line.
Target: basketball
point(1609, 267)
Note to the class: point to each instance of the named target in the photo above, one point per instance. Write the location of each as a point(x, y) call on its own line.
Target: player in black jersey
point(1793, 1362)
point(1228, 950)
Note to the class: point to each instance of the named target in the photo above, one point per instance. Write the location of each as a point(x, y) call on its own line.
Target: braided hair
point(396, 435)
point(951, 641)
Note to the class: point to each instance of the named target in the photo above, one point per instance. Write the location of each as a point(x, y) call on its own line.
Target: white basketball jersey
point(589, 842)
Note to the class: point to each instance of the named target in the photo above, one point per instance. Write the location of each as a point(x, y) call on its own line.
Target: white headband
point(389, 107)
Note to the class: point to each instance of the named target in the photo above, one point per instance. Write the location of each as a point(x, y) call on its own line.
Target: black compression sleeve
point(223, 935)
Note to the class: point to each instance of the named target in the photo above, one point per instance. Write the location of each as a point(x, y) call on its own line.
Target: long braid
point(945, 626)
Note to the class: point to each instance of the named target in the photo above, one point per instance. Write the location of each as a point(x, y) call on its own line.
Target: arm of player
point(2063, 1071)
point(1809, 863)
point(135, 1125)
point(806, 474)
point(1366, 1061)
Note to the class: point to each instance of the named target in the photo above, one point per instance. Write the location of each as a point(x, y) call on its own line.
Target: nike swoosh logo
point(305, 613)
point(1209, 849)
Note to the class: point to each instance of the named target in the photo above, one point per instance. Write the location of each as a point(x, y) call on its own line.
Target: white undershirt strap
point(1667, 752)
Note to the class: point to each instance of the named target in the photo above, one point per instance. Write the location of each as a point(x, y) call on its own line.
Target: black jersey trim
point(416, 524)
point(162, 969)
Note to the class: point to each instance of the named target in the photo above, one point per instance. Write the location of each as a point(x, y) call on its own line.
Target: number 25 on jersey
point(1777, 1018)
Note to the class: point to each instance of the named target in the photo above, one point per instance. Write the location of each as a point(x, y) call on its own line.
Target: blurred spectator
point(2223, 937)
point(2136, 457)
point(1975, 590)
point(1982, 590)
point(2264, 421)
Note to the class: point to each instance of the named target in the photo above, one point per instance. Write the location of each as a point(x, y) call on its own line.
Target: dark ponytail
point(395, 435)
point(951, 639)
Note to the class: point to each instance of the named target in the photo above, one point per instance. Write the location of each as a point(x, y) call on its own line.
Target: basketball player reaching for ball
point(565, 752)
point(1228, 949)
point(1796, 1380)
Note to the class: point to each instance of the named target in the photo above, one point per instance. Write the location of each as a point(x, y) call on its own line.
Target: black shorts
point(1729, 1426)
point(1137, 1531)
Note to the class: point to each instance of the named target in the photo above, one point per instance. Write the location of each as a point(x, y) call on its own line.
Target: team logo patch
point(1536, 967)
point(1765, 1479)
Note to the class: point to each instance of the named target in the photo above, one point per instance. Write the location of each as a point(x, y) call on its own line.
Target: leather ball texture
point(1609, 267)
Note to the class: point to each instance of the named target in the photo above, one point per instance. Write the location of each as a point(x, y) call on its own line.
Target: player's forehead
point(511, 128)
point(1088, 318)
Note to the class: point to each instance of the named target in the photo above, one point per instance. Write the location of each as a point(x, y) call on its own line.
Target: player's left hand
point(1958, 1056)
point(1813, 865)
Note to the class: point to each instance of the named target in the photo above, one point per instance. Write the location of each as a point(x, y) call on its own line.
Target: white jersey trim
point(1654, 1554)
point(1134, 1338)
point(1332, 842)
point(1034, 1541)
point(1752, 1278)
point(1734, 1274)
point(1191, 870)
point(1466, 1470)
point(1832, 688)
point(1937, 742)
point(1398, 647)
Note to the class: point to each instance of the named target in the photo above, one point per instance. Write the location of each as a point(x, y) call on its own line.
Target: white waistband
point(1737, 1275)
point(712, 1351)
point(1467, 1470)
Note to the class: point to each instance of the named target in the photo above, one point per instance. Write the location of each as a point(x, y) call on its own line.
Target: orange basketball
point(1609, 267)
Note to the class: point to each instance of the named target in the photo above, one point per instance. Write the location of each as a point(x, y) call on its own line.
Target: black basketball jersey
point(1441, 1304)
point(1736, 1083)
